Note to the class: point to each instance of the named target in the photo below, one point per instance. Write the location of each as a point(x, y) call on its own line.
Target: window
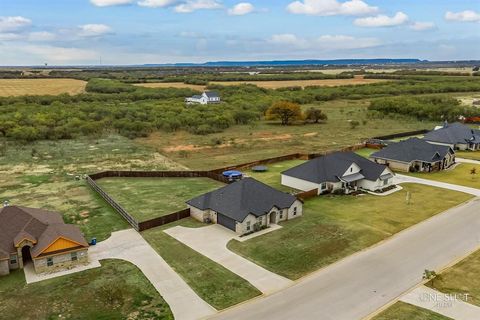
point(385, 182)
point(295, 211)
point(323, 186)
point(13, 260)
point(248, 225)
point(49, 262)
point(281, 214)
point(74, 256)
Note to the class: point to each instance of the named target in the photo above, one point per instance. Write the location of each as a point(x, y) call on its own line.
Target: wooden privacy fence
point(131, 220)
point(307, 194)
point(160, 221)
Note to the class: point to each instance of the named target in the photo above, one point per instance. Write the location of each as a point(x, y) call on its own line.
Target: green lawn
point(473, 155)
point(462, 278)
point(333, 227)
point(215, 284)
point(405, 311)
point(461, 175)
point(273, 176)
point(366, 152)
point(117, 290)
point(148, 198)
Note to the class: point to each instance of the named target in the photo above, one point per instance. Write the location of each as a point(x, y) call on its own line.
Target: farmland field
point(20, 87)
point(148, 198)
point(358, 80)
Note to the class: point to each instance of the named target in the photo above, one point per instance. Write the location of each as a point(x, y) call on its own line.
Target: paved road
point(400, 178)
point(212, 242)
point(362, 283)
point(451, 305)
point(130, 246)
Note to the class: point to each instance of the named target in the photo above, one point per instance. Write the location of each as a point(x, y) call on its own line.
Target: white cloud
point(13, 23)
point(41, 36)
point(108, 3)
point(382, 20)
point(464, 16)
point(53, 54)
point(9, 36)
point(324, 42)
point(241, 9)
point(422, 26)
point(94, 30)
point(193, 5)
point(331, 7)
point(157, 3)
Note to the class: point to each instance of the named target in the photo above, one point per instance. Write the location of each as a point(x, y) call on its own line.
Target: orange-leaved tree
point(285, 111)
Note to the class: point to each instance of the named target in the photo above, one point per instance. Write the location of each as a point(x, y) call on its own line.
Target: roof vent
point(445, 124)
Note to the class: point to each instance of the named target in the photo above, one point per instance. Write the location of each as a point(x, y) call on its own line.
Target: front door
point(273, 217)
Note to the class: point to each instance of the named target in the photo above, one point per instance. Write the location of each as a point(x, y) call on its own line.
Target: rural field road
point(362, 283)
point(129, 245)
point(212, 242)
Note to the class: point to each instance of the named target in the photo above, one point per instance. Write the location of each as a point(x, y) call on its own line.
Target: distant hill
point(275, 63)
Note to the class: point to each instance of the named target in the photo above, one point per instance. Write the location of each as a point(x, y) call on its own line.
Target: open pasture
point(37, 87)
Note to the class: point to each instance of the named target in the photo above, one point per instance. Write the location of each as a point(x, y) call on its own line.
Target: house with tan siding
point(245, 206)
point(29, 235)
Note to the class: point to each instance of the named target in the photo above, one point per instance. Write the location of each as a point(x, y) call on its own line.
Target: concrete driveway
point(130, 246)
point(212, 242)
point(400, 178)
point(360, 284)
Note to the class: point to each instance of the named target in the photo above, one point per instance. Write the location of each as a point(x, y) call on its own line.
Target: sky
point(113, 32)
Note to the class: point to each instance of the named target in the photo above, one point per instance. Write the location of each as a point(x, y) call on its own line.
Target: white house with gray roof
point(415, 155)
point(457, 136)
point(245, 206)
point(206, 97)
point(345, 171)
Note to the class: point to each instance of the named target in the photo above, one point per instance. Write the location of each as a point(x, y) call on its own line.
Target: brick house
point(41, 237)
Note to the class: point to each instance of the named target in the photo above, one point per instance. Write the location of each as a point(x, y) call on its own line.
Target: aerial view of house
point(456, 135)
point(246, 205)
point(39, 236)
point(206, 97)
point(415, 155)
point(340, 171)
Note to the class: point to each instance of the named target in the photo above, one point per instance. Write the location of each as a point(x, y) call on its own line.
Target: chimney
point(6, 203)
point(445, 124)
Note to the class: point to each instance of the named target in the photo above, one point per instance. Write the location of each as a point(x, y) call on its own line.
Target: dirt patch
point(310, 134)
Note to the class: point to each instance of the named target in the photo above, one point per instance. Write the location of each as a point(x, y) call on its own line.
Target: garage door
point(226, 221)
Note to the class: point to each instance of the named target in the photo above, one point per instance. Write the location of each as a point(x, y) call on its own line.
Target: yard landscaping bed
point(215, 284)
point(460, 279)
point(405, 311)
point(460, 175)
point(148, 198)
point(333, 227)
point(99, 293)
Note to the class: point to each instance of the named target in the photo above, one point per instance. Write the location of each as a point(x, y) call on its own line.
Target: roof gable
point(413, 149)
point(455, 133)
point(243, 197)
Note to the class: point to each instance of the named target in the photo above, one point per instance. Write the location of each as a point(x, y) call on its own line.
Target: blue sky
point(67, 32)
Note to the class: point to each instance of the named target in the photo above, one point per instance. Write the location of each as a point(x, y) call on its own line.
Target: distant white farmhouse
point(206, 97)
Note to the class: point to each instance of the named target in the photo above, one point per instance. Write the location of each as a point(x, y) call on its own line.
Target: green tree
point(315, 115)
point(285, 111)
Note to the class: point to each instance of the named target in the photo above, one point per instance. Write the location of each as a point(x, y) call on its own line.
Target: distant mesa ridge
point(292, 63)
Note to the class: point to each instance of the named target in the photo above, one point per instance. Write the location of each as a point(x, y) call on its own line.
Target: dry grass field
point(171, 85)
point(21, 87)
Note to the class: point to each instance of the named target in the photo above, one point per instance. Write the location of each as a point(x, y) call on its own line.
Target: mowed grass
point(333, 227)
point(21, 87)
point(405, 311)
point(148, 198)
point(366, 152)
point(461, 279)
point(272, 177)
point(473, 155)
point(461, 175)
point(358, 80)
point(117, 290)
point(241, 144)
point(215, 284)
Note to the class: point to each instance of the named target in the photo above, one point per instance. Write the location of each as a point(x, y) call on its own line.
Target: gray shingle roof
point(411, 150)
point(212, 94)
point(455, 133)
point(331, 167)
point(243, 197)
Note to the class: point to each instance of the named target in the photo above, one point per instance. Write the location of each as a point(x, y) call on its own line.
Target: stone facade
point(61, 261)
